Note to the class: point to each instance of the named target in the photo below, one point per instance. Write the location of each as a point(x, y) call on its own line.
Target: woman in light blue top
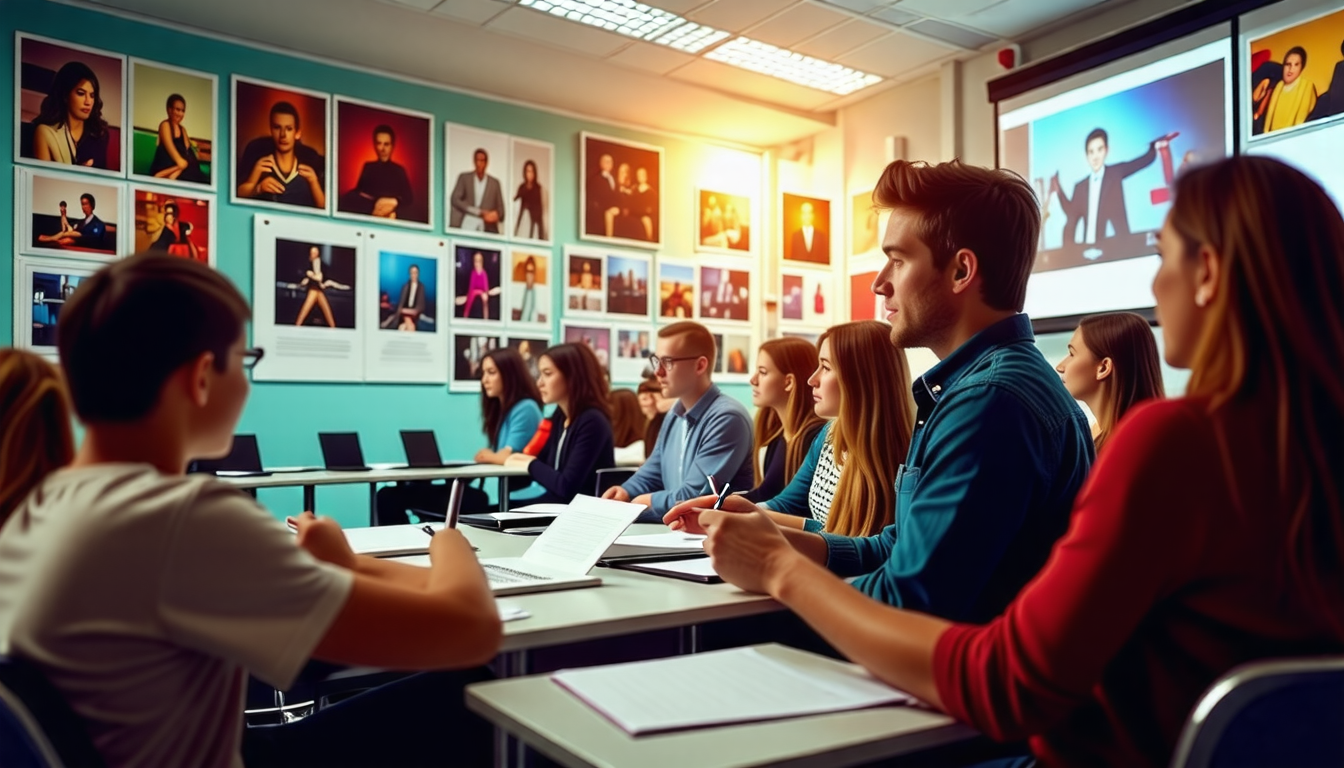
point(510, 405)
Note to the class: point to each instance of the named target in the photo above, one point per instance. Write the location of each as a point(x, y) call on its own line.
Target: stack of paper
point(391, 540)
point(655, 544)
point(733, 686)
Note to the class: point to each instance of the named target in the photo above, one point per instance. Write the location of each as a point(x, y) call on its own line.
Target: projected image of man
point(1098, 201)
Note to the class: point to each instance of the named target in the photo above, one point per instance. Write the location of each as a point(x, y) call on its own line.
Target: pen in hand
point(723, 494)
point(431, 532)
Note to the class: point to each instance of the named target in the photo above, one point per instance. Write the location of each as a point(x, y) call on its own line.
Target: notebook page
point(577, 538)
point(719, 687)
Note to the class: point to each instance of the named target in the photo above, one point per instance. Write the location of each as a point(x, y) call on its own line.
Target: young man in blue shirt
point(707, 433)
point(999, 448)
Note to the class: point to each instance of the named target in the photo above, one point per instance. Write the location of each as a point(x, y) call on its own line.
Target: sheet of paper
point(514, 515)
point(511, 612)
point(655, 543)
point(719, 687)
point(699, 566)
point(542, 509)
point(576, 539)
point(386, 540)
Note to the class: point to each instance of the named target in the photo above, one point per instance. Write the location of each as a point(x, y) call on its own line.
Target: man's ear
point(703, 365)
point(964, 267)
point(200, 373)
point(1105, 368)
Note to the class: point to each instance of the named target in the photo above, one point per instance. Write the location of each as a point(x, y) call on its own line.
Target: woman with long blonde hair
point(786, 422)
point(1210, 533)
point(847, 483)
point(35, 439)
point(1112, 366)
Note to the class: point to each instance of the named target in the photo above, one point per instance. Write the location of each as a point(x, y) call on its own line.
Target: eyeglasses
point(252, 356)
point(657, 362)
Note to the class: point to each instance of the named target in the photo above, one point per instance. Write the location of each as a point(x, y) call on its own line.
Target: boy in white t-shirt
point(145, 595)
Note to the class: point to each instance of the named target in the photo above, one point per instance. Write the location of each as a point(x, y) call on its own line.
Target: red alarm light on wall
point(1008, 57)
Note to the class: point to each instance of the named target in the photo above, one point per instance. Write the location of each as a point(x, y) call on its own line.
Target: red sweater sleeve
point(1134, 526)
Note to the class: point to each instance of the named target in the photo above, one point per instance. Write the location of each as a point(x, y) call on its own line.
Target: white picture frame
point(37, 305)
point(542, 155)
point(393, 353)
point(460, 144)
point(38, 194)
point(584, 292)
point(429, 188)
point(235, 179)
point(133, 73)
point(177, 194)
point(593, 226)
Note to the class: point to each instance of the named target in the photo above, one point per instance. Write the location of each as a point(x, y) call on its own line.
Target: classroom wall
point(287, 416)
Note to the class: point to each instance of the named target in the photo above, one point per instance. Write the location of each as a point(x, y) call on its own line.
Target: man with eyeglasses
point(707, 433)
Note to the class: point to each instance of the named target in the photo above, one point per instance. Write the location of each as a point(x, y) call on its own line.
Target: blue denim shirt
point(999, 451)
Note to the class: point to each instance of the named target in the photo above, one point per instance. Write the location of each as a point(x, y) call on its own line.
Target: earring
point(1201, 298)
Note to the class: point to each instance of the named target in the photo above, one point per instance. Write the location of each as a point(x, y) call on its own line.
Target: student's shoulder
point(132, 494)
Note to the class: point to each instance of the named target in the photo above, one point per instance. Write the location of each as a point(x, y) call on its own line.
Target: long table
point(379, 473)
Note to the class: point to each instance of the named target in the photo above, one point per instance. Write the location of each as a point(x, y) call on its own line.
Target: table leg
point(510, 752)
point(688, 640)
point(373, 504)
point(310, 498)
point(503, 494)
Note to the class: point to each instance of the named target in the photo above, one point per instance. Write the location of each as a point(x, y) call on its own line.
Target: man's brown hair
point(134, 323)
point(992, 213)
point(699, 341)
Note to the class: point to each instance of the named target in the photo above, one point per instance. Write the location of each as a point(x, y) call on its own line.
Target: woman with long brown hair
point(1208, 535)
point(847, 482)
point(35, 438)
point(580, 441)
point(1112, 366)
point(786, 423)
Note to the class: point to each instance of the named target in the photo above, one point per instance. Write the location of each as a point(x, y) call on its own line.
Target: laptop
point(244, 460)
point(422, 451)
point(341, 452)
point(563, 554)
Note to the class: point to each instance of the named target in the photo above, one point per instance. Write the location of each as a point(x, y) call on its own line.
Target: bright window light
point(792, 66)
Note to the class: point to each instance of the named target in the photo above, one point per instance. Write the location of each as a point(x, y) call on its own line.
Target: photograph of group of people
point(723, 222)
point(500, 185)
point(1297, 75)
point(621, 195)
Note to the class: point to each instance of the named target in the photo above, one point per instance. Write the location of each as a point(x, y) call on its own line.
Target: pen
point(722, 495)
point(431, 532)
point(712, 488)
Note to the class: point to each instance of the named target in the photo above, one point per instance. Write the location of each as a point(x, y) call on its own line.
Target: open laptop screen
point(244, 456)
point(340, 450)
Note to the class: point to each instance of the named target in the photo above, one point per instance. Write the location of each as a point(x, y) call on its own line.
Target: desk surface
point(626, 603)
point(381, 473)
point(552, 721)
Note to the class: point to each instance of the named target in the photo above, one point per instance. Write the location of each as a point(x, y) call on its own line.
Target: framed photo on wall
point(1309, 53)
point(384, 163)
point(723, 223)
point(477, 271)
point(474, 161)
point(174, 126)
point(41, 287)
point(633, 345)
point(620, 191)
point(406, 329)
point(530, 348)
point(281, 144)
point(306, 297)
point(529, 291)
point(72, 215)
point(69, 106)
point(735, 352)
point(725, 294)
point(865, 224)
point(805, 229)
point(533, 174)
point(807, 297)
point(597, 336)
point(676, 290)
point(585, 290)
point(470, 346)
point(628, 284)
point(174, 221)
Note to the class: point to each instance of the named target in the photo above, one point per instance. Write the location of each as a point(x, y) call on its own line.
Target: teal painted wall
point(287, 416)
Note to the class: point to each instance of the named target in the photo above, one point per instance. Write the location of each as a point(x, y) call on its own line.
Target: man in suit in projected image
point(1099, 199)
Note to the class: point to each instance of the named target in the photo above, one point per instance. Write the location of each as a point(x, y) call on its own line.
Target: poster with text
point(306, 300)
point(406, 331)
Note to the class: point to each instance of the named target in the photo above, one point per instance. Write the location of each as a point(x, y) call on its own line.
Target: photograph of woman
point(529, 202)
point(477, 286)
point(175, 156)
point(317, 283)
point(174, 238)
point(178, 225)
point(70, 127)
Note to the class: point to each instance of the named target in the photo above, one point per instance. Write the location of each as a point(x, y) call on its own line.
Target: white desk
point(550, 720)
point(381, 473)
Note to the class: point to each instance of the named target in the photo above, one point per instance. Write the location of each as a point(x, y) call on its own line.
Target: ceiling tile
point(680, 6)
point(952, 9)
point(556, 31)
point(736, 15)
point(651, 58)
point(896, 16)
point(894, 56)
point(423, 5)
point(760, 87)
point(951, 33)
point(473, 11)
point(797, 23)
point(842, 39)
point(1015, 17)
point(859, 6)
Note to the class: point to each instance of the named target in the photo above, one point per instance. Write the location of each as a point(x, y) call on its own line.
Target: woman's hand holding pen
point(686, 515)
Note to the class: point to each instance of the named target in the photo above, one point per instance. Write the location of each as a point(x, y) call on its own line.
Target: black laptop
point(244, 460)
point(341, 452)
point(422, 451)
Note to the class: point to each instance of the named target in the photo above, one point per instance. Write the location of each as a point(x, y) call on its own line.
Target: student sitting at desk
point(35, 438)
point(1209, 535)
point(706, 432)
point(1112, 366)
point(145, 596)
point(786, 422)
point(999, 448)
point(510, 413)
point(847, 482)
point(580, 440)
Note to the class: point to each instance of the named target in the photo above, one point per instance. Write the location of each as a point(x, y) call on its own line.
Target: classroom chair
point(37, 728)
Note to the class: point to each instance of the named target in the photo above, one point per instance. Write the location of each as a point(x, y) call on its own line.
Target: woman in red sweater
point(1210, 533)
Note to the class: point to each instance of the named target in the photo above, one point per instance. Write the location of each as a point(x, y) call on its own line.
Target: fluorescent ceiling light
point(792, 66)
point(637, 20)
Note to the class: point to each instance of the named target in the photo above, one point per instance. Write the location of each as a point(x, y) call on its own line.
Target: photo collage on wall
point(809, 298)
point(113, 156)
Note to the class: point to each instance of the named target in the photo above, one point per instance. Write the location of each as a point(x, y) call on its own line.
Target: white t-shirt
point(144, 597)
